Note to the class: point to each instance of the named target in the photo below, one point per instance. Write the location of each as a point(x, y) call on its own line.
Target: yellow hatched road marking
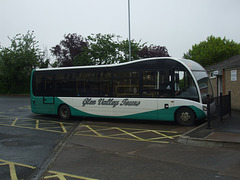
point(164, 135)
point(131, 134)
point(163, 131)
point(105, 129)
point(135, 129)
point(35, 124)
point(63, 127)
point(125, 132)
point(171, 137)
point(59, 176)
point(93, 130)
point(54, 174)
point(13, 173)
point(30, 120)
point(62, 176)
point(14, 122)
point(12, 169)
point(17, 164)
point(152, 131)
point(130, 139)
point(41, 129)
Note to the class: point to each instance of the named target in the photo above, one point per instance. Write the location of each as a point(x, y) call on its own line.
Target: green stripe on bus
point(161, 114)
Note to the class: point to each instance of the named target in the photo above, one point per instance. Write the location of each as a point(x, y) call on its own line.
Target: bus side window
point(88, 84)
point(65, 84)
point(106, 84)
point(150, 86)
point(126, 84)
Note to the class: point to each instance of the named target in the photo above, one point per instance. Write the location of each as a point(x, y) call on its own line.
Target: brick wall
point(234, 87)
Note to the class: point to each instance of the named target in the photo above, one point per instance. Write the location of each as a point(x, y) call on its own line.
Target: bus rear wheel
point(64, 112)
point(185, 117)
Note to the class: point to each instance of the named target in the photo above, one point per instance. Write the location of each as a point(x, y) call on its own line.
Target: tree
point(135, 48)
point(44, 59)
point(17, 62)
point(101, 49)
point(213, 50)
point(153, 51)
point(69, 49)
point(104, 49)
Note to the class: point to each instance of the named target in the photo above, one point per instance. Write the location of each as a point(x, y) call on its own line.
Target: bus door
point(178, 80)
point(43, 91)
point(48, 97)
point(166, 87)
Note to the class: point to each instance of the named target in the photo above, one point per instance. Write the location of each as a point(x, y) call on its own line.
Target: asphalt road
point(45, 147)
point(27, 141)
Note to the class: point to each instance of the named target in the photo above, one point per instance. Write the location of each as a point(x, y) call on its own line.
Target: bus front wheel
point(64, 112)
point(185, 116)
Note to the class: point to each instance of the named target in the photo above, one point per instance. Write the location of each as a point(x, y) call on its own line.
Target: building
point(225, 77)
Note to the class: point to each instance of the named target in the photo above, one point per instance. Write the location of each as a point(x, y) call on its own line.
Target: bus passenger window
point(150, 84)
point(106, 84)
point(88, 84)
point(65, 84)
point(126, 84)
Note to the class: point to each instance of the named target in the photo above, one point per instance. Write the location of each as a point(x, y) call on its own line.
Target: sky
point(175, 24)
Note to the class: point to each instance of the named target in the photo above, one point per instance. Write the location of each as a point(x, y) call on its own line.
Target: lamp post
point(129, 30)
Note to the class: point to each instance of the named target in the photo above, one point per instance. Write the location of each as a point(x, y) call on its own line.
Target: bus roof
point(192, 65)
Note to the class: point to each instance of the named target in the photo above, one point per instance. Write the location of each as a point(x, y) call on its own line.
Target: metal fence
point(218, 107)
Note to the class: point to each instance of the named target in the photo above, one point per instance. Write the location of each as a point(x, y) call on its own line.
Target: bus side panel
point(146, 110)
point(38, 106)
point(78, 109)
point(166, 109)
point(166, 114)
point(199, 113)
point(129, 108)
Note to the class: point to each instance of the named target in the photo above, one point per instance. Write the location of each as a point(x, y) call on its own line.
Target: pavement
point(225, 133)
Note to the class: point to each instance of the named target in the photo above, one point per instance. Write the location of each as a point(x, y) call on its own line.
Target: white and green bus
point(165, 89)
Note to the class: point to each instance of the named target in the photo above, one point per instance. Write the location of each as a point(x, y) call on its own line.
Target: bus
point(162, 88)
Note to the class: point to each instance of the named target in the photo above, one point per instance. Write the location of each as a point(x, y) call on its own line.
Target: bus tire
point(64, 112)
point(185, 116)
